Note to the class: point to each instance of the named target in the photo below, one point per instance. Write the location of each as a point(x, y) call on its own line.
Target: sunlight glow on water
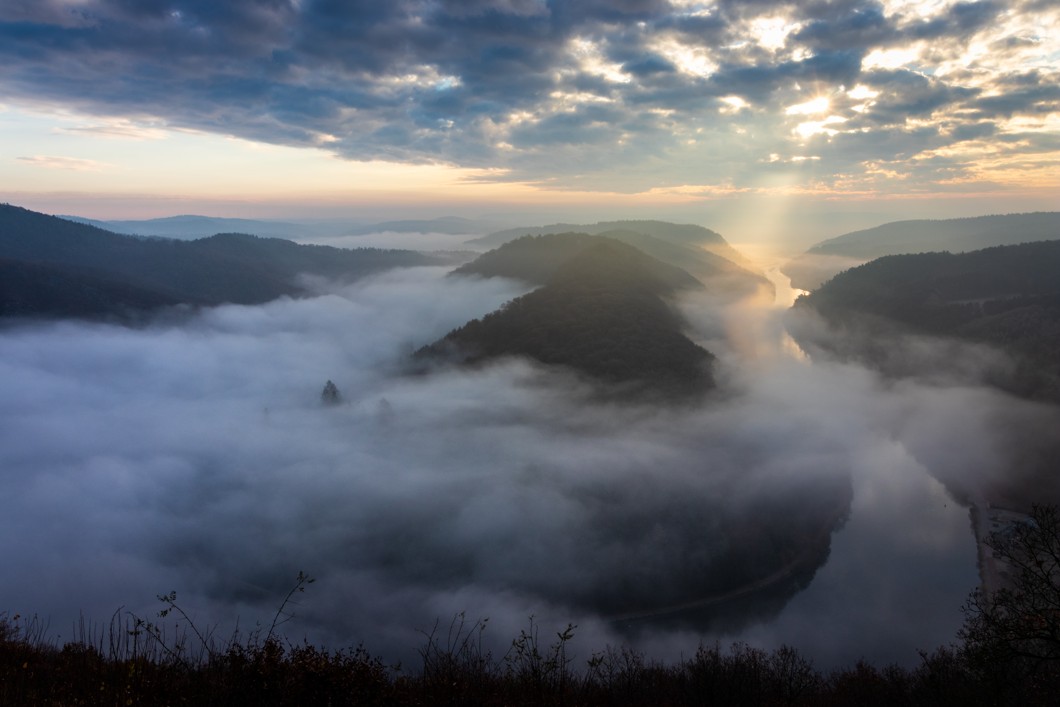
point(786, 294)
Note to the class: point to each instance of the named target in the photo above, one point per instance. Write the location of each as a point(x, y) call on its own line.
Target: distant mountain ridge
point(603, 312)
point(84, 263)
point(448, 225)
point(955, 235)
point(829, 257)
point(538, 259)
point(682, 234)
point(719, 274)
point(192, 227)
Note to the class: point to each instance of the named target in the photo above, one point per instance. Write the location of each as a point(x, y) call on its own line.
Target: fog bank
point(198, 458)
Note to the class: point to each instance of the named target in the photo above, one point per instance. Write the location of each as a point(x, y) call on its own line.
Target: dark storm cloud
point(861, 23)
point(453, 81)
point(961, 20)
point(1026, 94)
point(861, 28)
point(698, 29)
point(907, 94)
point(572, 14)
point(649, 66)
point(974, 131)
point(758, 83)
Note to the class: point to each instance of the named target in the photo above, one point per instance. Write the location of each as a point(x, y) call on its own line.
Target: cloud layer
point(199, 458)
point(855, 96)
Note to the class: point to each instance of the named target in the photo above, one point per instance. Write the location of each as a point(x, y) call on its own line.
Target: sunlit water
point(785, 293)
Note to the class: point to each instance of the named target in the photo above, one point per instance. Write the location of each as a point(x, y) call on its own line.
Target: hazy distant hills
point(829, 257)
point(74, 269)
point(688, 235)
point(537, 259)
point(603, 312)
point(190, 227)
point(449, 225)
point(678, 233)
point(1007, 297)
point(695, 249)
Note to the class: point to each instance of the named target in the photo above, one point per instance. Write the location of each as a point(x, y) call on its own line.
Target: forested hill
point(956, 235)
point(688, 235)
point(603, 313)
point(34, 290)
point(1005, 296)
point(190, 227)
point(829, 257)
point(69, 260)
point(535, 258)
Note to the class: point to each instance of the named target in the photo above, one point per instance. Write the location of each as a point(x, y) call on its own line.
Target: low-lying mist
point(198, 458)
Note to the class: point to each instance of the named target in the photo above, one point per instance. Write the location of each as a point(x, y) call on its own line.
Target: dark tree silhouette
point(330, 395)
point(1012, 634)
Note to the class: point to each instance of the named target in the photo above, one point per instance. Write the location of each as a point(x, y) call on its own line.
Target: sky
point(723, 113)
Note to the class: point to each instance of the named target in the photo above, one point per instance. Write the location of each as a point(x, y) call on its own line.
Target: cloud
point(863, 27)
point(73, 163)
point(648, 66)
point(197, 457)
point(1029, 95)
point(123, 128)
point(960, 21)
point(456, 82)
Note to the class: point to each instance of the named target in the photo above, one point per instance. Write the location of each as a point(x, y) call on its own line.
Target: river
point(905, 560)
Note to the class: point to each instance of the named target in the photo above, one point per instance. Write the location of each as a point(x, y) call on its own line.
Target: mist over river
point(758, 470)
point(197, 457)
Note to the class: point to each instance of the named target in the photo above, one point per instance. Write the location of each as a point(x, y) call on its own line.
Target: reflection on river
point(785, 293)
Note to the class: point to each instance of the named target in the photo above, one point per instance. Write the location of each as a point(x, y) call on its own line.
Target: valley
point(744, 511)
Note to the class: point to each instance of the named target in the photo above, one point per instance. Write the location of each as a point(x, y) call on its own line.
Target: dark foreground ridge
point(51, 267)
point(604, 312)
point(1008, 653)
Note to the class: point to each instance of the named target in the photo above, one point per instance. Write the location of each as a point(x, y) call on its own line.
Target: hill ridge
point(825, 259)
point(224, 268)
point(604, 312)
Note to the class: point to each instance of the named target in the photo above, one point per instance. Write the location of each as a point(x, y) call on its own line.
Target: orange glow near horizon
point(62, 162)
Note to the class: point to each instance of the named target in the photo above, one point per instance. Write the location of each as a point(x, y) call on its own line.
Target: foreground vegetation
point(1008, 654)
point(115, 670)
